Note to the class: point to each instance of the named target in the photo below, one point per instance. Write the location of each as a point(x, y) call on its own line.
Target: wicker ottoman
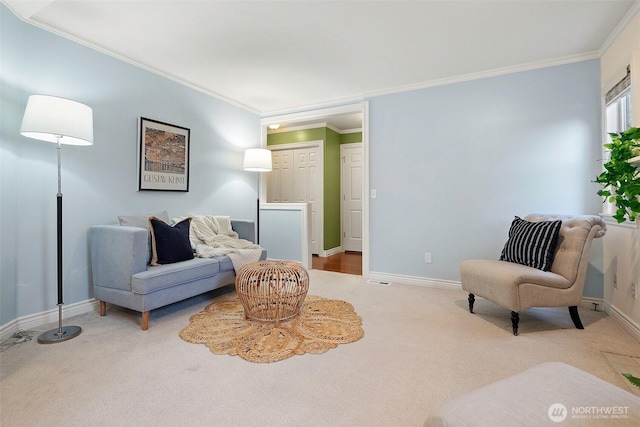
point(272, 290)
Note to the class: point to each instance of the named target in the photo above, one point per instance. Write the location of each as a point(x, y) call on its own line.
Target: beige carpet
point(421, 348)
point(321, 325)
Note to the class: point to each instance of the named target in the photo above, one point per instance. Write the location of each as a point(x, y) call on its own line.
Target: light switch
point(374, 194)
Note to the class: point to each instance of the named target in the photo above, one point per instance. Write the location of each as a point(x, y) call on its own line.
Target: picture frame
point(163, 156)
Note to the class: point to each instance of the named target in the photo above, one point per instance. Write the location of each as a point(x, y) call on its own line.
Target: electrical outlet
point(427, 257)
point(634, 293)
point(615, 280)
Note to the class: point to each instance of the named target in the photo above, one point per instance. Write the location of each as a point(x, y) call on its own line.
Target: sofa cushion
point(225, 263)
point(168, 275)
point(169, 243)
point(141, 221)
point(531, 243)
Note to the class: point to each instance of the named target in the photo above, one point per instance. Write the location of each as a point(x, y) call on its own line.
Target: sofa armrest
point(246, 229)
point(117, 253)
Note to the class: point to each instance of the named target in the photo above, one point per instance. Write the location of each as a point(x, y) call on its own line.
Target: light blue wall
point(98, 182)
point(453, 164)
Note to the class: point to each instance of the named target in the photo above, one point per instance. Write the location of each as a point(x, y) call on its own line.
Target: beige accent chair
point(517, 287)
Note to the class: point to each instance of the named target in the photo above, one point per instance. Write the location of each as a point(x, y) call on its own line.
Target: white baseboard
point(416, 281)
point(627, 324)
point(332, 251)
point(34, 321)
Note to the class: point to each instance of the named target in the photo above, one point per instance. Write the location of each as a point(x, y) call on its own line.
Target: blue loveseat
point(122, 274)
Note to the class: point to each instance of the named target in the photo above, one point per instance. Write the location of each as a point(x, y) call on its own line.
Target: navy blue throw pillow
point(532, 243)
point(170, 244)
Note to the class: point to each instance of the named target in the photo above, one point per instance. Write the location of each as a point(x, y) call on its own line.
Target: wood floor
point(344, 262)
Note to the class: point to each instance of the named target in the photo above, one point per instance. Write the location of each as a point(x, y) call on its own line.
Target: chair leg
point(472, 299)
point(573, 311)
point(515, 318)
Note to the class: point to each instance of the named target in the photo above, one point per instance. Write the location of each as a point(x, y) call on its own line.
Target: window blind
point(620, 88)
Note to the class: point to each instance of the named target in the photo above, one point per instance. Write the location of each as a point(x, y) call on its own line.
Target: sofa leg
point(103, 308)
point(145, 320)
point(472, 299)
point(515, 319)
point(573, 311)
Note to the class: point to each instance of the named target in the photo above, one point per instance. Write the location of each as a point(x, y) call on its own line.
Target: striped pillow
point(532, 243)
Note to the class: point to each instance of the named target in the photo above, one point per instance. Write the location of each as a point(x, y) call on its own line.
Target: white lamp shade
point(53, 119)
point(257, 160)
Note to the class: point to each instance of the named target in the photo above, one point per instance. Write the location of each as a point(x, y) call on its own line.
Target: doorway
point(324, 118)
point(351, 201)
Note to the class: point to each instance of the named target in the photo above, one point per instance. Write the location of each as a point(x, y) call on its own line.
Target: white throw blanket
point(213, 236)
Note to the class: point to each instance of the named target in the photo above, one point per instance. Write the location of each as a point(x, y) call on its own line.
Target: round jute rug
point(322, 325)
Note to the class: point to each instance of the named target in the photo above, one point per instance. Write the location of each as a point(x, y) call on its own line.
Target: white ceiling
point(273, 57)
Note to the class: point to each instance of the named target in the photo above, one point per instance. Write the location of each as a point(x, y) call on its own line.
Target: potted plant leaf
point(633, 380)
point(621, 179)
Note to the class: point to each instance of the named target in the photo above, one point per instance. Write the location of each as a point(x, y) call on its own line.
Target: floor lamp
point(257, 160)
point(60, 121)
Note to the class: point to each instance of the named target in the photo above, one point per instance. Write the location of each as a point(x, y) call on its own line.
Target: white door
point(307, 188)
point(280, 179)
point(351, 175)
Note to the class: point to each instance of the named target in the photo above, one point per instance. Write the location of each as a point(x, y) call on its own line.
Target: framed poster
point(163, 158)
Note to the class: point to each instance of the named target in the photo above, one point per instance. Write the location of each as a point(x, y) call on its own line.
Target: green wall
point(332, 141)
point(297, 136)
point(348, 138)
point(332, 190)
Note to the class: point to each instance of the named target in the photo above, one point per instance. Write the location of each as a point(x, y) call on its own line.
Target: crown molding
point(354, 130)
point(622, 25)
point(313, 126)
point(295, 128)
point(487, 74)
point(301, 109)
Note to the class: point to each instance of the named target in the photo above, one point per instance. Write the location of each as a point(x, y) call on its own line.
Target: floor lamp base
point(59, 335)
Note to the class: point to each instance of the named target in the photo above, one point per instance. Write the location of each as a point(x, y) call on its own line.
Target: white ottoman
point(549, 394)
